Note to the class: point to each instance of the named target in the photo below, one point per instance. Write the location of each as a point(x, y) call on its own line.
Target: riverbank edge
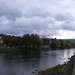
point(64, 69)
point(48, 48)
point(24, 49)
point(8, 50)
point(52, 71)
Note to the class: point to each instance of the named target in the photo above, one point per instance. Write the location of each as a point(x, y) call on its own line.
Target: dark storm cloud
point(11, 11)
point(69, 26)
point(36, 12)
point(44, 17)
point(64, 17)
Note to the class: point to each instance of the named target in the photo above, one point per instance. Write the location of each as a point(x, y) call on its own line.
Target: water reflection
point(20, 63)
point(25, 63)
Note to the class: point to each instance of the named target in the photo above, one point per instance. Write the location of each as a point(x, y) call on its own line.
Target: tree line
point(33, 40)
point(60, 44)
point(56, 44)
point(27, 40)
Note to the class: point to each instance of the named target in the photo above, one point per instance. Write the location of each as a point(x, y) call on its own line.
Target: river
point(23, 64)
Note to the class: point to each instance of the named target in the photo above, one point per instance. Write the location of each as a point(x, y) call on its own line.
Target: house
point(1, 40)
point(58, 43)
point(47, 41)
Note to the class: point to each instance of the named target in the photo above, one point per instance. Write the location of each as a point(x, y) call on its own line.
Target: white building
point(1, 40)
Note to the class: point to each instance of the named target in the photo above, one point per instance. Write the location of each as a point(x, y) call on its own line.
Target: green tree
point(68, 45)
point(32, 40)
point(54, 45)
point(63, 46)
point(26, 40)
point(38, 42)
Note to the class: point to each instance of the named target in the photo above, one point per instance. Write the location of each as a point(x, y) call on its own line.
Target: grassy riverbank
point(48, 48)
point(52, 71)
point(25, 49)
point(8, 50)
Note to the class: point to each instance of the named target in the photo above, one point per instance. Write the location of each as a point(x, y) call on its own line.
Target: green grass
point(45, 48)
point(7, 50)
point(53, 70)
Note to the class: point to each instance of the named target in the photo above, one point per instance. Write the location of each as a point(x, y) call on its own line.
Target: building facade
point(1, 40)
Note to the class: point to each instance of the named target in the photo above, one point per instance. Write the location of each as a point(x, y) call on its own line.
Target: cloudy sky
point(48, 18)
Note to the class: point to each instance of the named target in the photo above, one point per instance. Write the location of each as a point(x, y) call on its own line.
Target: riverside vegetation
point(65, 69)
point(31, 41)
point(52, 71)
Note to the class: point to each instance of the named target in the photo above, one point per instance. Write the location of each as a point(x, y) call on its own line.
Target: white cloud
point(65, 34)
point(50, 18)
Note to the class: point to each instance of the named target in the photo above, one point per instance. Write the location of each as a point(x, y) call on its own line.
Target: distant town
point(33, 40)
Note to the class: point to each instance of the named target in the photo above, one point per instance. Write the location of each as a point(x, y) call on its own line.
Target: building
point(47, 42)
point(1, 40)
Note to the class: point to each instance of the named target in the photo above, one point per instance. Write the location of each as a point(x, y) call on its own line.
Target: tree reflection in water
point(19, 63)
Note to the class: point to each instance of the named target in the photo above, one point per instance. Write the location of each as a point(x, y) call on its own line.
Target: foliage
point(45, 48)
point(11, 40)
point(63, 46)
point(68, 45)
point(26, 40)
point(32, 40)
point(72, 42)
point(10, 50)
point(54, 45)
point(52, 71)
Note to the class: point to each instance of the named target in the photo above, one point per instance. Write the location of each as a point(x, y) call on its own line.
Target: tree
point(54, 45)
point(11, 40)
point(38, 42)
point(63, 46)
point(26, 40)
point(68, 45)
point(32, 40)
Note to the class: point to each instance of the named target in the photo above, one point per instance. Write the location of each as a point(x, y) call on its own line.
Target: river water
point(24, 64)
